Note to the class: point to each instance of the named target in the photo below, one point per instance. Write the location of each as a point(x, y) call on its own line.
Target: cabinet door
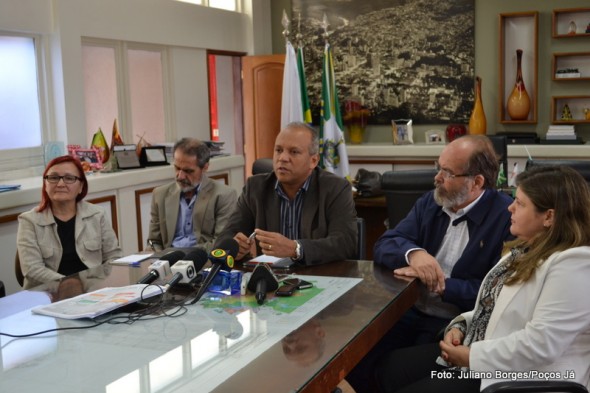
point(262, 93)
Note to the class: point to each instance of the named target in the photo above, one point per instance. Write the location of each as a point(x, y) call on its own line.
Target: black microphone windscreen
point(230, 245)
point(173, 256)
point(263, 272)
point(199, 258)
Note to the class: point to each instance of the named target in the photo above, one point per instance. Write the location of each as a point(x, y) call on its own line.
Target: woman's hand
point(454, 337)
point(455, 355)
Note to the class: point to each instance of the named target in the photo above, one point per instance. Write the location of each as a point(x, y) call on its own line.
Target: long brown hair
point(45, 201)
point(565, 191)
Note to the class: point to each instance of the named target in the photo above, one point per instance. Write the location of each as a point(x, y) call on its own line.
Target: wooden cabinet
point(576, 104)
point(571, 22)
point(579, 61)
point(518, 30)
point(571, 66)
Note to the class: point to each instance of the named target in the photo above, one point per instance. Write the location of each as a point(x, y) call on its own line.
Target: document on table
point(275, 262)
point(131, 259)
point(93, 304)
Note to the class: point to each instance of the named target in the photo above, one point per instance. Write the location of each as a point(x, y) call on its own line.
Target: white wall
point(189, 29)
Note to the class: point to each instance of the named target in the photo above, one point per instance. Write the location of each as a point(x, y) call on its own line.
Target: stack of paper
point(561, 132)
point(93, 304)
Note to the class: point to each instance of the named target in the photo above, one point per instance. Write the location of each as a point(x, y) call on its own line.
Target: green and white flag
point(333, 155)
point(295, 104)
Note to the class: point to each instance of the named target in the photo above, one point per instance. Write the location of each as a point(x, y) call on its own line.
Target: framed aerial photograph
point(89, 158)
point(402, 59)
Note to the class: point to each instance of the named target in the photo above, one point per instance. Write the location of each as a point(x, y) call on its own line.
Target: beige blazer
point(542, 325)
point(40, 250)
point(213, 207)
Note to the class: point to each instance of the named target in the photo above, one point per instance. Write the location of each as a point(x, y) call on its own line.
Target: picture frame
point(402, 131)
point(153, 155)
point(435, 137)
point(90, 158)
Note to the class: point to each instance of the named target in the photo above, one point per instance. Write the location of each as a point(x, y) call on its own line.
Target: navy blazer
point(424, 227)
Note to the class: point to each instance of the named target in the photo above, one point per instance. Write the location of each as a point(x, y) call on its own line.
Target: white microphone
point(190, 265)
point(161, 268)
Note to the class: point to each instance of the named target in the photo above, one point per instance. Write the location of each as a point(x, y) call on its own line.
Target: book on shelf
point(564, 136)
point(566, 127)
point(568, 75)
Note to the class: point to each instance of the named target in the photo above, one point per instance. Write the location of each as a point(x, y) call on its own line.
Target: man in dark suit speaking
point(298, 210)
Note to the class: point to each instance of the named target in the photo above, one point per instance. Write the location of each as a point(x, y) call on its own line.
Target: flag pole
point(299, 36)
point(285, 22)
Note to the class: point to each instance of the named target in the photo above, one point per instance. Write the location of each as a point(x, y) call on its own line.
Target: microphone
point(221, 258)
point(161, 268)
point(262, 281)
point(188, 267)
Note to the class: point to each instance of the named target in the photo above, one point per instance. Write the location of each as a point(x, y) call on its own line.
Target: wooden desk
point(374, 211)
point(67, 361)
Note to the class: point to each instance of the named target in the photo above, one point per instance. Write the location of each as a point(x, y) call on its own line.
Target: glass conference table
point(232, 346)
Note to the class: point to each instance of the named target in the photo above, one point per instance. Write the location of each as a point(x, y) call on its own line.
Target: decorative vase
point(356, 133)
point(477, 121)
point(519, 103)
point(455, 131)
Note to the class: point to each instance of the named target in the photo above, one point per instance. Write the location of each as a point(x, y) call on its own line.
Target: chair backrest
point(361, 239)
point(262, 165)
point(501, 147)
point(402, 189)
point(579, 165)
point(20, 278)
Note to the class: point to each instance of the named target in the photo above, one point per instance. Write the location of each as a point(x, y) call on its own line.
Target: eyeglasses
point(68, 179)
point(447, 174)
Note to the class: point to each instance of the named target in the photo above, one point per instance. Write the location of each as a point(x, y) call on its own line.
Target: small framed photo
point(435, 137)
point(89, 158)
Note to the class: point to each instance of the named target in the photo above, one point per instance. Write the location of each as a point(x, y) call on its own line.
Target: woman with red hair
point(64, 234)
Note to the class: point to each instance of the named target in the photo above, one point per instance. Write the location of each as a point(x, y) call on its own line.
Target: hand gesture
point(275, 244)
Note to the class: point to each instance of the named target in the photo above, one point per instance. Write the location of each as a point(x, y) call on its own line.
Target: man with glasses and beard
point(450, 239)
point(191, 211)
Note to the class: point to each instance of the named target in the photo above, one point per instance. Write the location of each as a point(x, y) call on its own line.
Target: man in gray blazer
point(298, 210)
point(193, 210)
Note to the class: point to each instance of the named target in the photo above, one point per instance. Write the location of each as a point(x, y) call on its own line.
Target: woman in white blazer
point(532, 317)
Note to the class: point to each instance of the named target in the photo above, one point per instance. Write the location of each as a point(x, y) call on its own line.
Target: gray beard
point(451, 200)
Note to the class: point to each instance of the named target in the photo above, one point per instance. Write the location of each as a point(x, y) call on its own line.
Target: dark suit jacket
point(328, 220)
point(488, 223)
point(210, 214)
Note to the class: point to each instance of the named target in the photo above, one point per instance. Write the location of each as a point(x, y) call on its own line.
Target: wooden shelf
point(577, 104)
point(563, 17)
point(579, 60)
point(518, 30)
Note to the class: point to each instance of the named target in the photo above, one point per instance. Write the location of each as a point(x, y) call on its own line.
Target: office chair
point(581, 166)
point(402, 189)
point(535, 387)
point(262, 165)
point(2, 289)
point(501, 147)
point(20, 278)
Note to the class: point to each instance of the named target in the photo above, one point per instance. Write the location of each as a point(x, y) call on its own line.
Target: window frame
point(122, 77)
point(29, 161)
